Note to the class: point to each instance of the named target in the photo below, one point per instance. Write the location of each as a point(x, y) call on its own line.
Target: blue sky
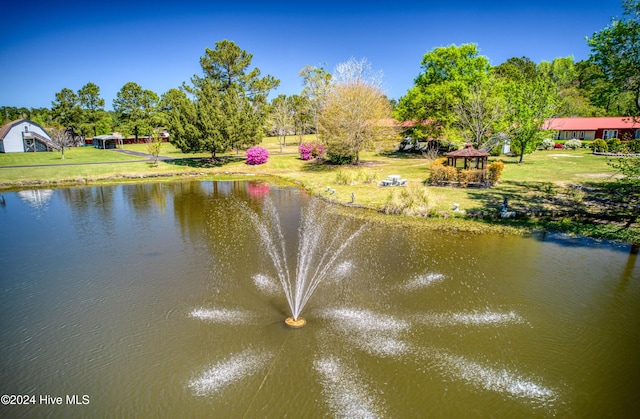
point(47, 46)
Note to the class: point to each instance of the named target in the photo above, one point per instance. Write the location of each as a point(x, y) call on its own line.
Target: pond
point(164, 300)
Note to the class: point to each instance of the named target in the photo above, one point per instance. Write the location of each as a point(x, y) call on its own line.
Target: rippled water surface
point(159, 300)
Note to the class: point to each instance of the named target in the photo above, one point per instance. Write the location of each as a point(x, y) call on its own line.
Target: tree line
point(458, 95)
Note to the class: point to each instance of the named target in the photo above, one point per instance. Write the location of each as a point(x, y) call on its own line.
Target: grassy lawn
point(75, 155)
point(546, 180)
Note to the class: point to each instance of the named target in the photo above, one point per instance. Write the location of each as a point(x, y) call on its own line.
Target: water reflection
point(156, 300)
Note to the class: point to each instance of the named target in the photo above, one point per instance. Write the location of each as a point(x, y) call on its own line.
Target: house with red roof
point(622, 127)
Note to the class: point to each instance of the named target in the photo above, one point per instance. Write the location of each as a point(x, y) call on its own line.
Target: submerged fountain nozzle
point(295, 323)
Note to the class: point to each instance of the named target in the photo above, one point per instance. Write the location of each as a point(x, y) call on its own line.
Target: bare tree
point(61, 137)
point(282, 118)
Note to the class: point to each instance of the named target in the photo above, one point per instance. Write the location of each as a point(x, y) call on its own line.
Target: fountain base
point(295, 323)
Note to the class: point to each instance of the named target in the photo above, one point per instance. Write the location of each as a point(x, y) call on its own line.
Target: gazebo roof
point(467, 151)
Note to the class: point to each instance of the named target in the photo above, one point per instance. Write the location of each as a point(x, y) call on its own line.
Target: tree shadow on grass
point(318, 167)
point(521, 196)
point(205, 162)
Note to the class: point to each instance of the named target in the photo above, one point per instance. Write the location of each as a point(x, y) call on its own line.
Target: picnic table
point(393, 180)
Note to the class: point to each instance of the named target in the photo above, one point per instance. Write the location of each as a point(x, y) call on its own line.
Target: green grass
point(544, 181)
point(74, 155)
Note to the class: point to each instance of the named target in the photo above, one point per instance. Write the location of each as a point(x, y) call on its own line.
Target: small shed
point(107, 141)
point(471, 158)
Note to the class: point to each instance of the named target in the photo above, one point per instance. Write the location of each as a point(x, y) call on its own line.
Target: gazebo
point(472, 158)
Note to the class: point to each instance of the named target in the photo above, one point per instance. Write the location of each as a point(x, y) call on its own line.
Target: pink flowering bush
point(311, 150)
point(257, 155)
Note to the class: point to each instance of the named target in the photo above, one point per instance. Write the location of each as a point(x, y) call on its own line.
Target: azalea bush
point(548, 144)
point(257, 155)
point(311, 150)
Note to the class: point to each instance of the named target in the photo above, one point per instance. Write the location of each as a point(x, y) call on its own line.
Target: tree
point(519, 69)
point(282, 118)
point(91, 104)
point(316, 82)
point(135, 108)
point(61, 137)
point(66, 108)
point(528, 106)
point(356, 113)
point(616, 50)
point(154, 145)
point(228, 107)
point(564, 75)
point(628, 187)
point(447, 73)
point(302, 115)
point(478, 113)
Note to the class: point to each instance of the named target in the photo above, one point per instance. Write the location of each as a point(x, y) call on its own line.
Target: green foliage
point(135, 108)
point(340, 153)
point(599, 145)
point(447, 73)
point(616, 50)
point(529, 105)
point(66, 108)
point(634, 146)
point(614, 145)
point(228, 107)
point(154, 145)
point(628, 186)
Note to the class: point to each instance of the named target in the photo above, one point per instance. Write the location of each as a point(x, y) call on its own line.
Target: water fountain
point(321, 241)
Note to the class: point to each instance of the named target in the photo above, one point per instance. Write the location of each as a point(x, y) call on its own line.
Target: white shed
point(24, 135)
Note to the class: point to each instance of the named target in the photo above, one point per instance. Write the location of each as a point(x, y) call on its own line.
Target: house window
point(638, 134)
point(26, 128)
point(573, 135)
point(582, 135)
point(609, 133)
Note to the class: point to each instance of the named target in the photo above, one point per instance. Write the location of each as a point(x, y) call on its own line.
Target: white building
point(23, 135)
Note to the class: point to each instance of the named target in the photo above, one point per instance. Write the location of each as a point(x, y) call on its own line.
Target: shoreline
point(486, 222)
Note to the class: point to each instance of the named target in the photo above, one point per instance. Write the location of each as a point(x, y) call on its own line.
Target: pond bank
point(477, 222)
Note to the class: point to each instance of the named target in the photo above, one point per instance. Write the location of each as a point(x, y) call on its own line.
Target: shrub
point(353, 176)
point(311, 150)
point(600, 146)
point(558, 145)
point(340, 153)
point(494, 171)
point(573, 144)
point(548, 144)
point(614, 145)
point(634, 146)
point(410, 201)
point(441, 173)
point(467, 176)
point(257, 155)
